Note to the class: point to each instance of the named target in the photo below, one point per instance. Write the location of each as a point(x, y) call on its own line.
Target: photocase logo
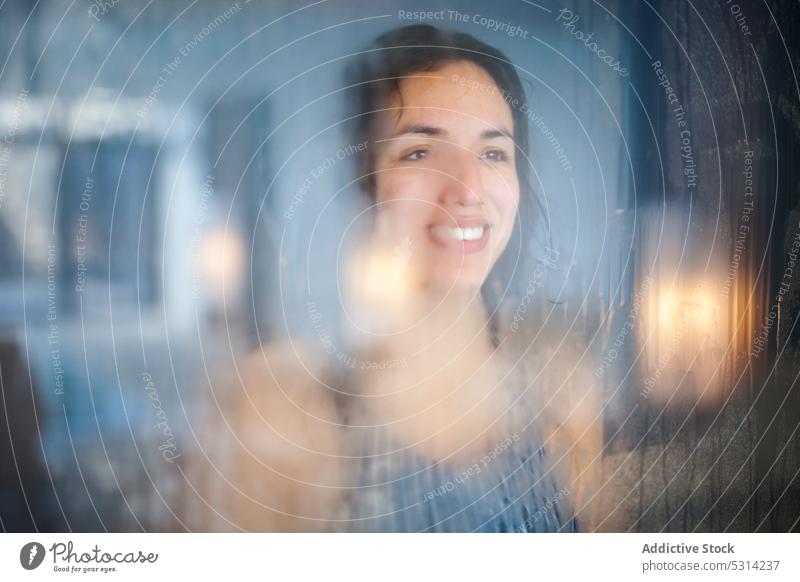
point(31, 555)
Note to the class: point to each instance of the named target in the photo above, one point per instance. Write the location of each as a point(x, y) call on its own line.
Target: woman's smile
point(466, 237)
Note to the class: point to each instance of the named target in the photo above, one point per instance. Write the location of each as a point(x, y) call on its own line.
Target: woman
point(435, 416)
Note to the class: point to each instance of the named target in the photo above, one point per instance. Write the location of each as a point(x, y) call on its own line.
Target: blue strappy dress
point(512, 488)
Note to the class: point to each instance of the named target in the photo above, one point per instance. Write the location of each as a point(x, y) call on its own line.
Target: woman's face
point(446, 178)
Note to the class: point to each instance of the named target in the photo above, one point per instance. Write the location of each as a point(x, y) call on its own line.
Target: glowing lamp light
point(684, 332)
point(221, 259)
point(698, 314)
point(381, 285)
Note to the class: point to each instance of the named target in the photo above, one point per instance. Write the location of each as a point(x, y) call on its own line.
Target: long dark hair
point(409, 50)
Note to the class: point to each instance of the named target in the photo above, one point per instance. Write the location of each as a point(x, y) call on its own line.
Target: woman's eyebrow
point(421, 129)
point(416, 128)
point(493, 133)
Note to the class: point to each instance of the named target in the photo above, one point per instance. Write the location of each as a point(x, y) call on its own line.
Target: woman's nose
point(463, 185)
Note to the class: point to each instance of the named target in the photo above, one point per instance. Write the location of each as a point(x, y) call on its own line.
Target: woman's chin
point(456, 283)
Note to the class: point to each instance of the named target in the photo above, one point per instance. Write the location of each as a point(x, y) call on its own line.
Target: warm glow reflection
point(685, 342)
point(381, 288)
point(667, 308)
point(221, 262)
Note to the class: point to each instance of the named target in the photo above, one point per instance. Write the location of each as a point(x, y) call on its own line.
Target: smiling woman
point(445, 112)
point(461, 435)
point(445, 172)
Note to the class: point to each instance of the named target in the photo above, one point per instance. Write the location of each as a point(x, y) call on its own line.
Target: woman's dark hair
point(409, 50)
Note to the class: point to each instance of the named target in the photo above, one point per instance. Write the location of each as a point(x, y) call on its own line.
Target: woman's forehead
point(460, 94)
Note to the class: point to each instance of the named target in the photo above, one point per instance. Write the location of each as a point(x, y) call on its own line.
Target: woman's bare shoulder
point(286, 377)
point(284, 466)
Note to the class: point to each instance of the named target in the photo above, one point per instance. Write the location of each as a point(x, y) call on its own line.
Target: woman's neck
point(446, 399)
point(445, 325)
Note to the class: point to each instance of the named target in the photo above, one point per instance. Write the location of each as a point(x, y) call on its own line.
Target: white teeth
point(467, 233)
point(462, 234)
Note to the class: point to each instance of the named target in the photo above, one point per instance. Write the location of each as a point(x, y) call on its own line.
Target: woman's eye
point(416, 155)
point(495, 155)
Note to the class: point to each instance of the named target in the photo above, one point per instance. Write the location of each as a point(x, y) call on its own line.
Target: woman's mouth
point(466, 239)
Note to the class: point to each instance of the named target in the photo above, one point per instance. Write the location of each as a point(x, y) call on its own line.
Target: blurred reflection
point(424, 419)
point(685, 333)
point(255, 277)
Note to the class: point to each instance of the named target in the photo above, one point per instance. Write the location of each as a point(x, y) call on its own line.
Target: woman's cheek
point(505, 195)
point(403, 203)
point(506, 204)
point(390, 184)
point(409, 192)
